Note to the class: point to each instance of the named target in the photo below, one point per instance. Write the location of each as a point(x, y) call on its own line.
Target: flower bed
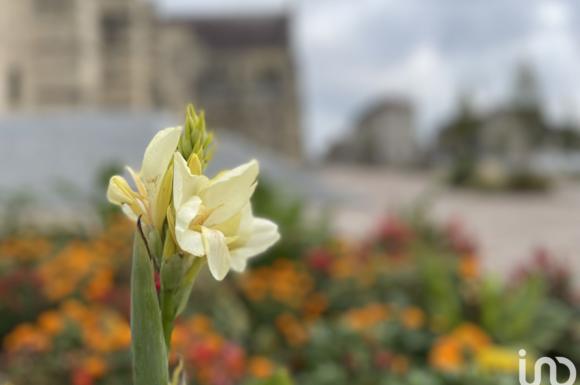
point(408, 305)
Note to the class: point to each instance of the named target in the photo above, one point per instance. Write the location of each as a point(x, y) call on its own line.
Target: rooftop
point(226, 32)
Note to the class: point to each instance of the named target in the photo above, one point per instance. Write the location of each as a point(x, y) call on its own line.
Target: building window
point(115, 29)
point(269, 84)
point(14, 88)
point(214, 84)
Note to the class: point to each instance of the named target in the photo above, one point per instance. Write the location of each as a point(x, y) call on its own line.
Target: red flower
point(319, 259)
point(81, 377)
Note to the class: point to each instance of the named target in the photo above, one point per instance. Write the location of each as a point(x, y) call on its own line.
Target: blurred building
point(58, 54)
point(508, 136)
point(239, 69)
point(384, 135)
point(118, 54)
point(505, 139)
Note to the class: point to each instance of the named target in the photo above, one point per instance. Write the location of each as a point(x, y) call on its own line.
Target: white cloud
point(552, 14)
point(554, 50)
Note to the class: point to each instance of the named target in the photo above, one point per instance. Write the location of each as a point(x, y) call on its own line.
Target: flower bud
point(195, 141)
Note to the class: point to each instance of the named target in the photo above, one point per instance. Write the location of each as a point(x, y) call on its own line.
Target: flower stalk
point(183, 220)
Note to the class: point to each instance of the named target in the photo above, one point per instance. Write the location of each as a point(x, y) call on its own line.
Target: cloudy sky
point(350, 53)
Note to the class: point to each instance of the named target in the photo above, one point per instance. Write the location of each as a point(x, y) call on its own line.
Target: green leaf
point(150, 365)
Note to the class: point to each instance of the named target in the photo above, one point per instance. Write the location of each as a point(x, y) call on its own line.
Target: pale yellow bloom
point(213, 217)
point(153, 181)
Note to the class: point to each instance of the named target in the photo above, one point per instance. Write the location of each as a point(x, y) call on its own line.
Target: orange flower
point(343, 268)
point(469, 267)
point(74, 310)
point(450, 352)
point(284, 282)
point(25, 249)
point(367, 317)
point(179, 337)
point(95, 366)
point(99, 285)
point(446, 355)
point(400, 364)
point(314, 306)
point(292, 330)
point(51, 323)
point(255, 285)
point(26, 337)
point(62, 274)
point(413, 318)
point(105, 331)
point(200, 324)
point(260, 367)
point(472, 337)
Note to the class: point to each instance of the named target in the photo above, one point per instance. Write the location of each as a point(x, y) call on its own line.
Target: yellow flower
point(498, 359)
point(213, 218)
point(152, 196)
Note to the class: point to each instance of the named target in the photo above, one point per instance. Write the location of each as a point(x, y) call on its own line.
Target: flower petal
point(185, 185)
point(230, 191)
point(162, 198)
point(128, 211)
point(159, 153)
point(187, 239)
point(218, 255)
point(119, 191)
point(264, 233)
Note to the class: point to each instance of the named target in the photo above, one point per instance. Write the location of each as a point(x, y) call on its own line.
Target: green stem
point(174, 298)
point(150, 364)
point(167, 320)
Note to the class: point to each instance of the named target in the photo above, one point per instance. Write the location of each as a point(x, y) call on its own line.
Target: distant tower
point(526, 93)
point(527, 103)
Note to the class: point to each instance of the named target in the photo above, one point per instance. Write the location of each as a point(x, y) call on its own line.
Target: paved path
point(508, 227)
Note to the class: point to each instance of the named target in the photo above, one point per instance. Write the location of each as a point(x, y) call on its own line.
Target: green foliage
point(524, 315)
point(299, 228)
point(279, 378)
point(440, 287)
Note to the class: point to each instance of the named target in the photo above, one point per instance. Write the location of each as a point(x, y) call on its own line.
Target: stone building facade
point(62, 54)
point(240, 70)
point(119, 54)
